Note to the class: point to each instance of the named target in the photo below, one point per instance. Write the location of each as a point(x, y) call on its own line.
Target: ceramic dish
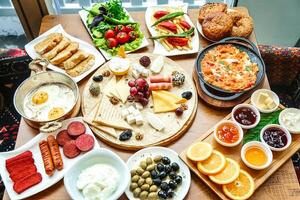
point(226, 144)
point(158, 47)
point(276, 126)
point(290, 119)
point(273, 95)
point(33, 146)
point(263, 147)
point(99, 156)
point(255, 111)
point(184, 171)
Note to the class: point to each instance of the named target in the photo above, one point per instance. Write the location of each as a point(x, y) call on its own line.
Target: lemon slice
point(119, 66)
point(228, 174)
point(240, 188)
point(199, 151)
point(213, 164)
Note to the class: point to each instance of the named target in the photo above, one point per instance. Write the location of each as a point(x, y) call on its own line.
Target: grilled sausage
point(55, 153)
point(47, 158)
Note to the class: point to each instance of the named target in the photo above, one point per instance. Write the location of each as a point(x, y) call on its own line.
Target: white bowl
point(240, 130)
point(102, 156)
point(294, 130)
point(262, 146)
point(288, 135)
point(273, 95)
point(252, 108)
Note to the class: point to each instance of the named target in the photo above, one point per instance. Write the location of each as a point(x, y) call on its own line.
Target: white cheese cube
point(139, 106)
point(136, 112)
point(139, 69)
point(139, 120)
point(135, 74)
point(130, 119)
point(131, 109)
point(124, 113)
point(145, 72)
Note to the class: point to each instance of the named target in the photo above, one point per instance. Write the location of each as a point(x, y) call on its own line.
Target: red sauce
point(245, 116)
point(228, 133)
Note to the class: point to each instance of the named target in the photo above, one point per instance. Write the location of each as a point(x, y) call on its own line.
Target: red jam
point(275, 137)
point(245, 116)
point(228, 133)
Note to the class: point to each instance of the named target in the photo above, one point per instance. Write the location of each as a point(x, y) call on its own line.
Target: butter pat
point(265, 101)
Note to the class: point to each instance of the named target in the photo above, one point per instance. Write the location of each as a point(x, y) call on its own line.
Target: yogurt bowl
point(290, 119)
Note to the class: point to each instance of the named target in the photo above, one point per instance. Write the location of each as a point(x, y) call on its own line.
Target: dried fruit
point(114, 100)
point(94, 89)
point(125, 135)
point(145, 61)
point(106, 73)
point(184, 107)
point(139, 135)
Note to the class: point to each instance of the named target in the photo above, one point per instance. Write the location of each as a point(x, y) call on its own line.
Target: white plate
point(83, 15)
point(184, 172)
point(33, 146)
point(158, 47)
point(99, 60)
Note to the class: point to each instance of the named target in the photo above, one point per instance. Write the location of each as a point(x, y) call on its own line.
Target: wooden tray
point(88, 103)
point(260, 176)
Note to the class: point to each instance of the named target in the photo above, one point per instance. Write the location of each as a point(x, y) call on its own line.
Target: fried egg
point(48, 102)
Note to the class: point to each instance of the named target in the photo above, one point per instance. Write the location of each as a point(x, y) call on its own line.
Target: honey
point(256, 156)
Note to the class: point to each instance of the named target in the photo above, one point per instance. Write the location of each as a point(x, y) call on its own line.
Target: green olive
point(135, 178)
point(136, 192)
point(149, 160)
point(133, 186)
point(139, 171)
point(133, 172)
point(157, 159)
point(143, 164)
point(141, 181)
point(152, 195)
point(145, 187)
point(149, 181)
point(144, 195)
point(146, 174)
point(153, 188)
point(150, 167)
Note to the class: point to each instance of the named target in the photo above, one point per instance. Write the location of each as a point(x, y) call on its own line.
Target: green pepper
point(92, 12)
point(168, 17)
point(114, 21)
point(184, 34)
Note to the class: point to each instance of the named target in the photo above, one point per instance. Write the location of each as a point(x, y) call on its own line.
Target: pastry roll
point(65, 54)
point(61, 46)
point(74, 59)
point(49, 43)
point(82, 67)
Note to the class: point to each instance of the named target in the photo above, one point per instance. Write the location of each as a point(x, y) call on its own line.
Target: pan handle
point(240, 39)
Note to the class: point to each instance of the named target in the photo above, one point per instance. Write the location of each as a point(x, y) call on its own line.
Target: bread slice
point(65, 54)
point(82, 67)
point(49, 43)
point(74, 59)
point(58, 48)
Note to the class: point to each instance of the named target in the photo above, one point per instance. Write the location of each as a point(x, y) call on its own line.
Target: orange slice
point(199, 151)
point(240, 188)
point(212, 165)
point(228, 174)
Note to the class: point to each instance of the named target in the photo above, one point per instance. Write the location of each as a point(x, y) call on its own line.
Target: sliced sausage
point(27, 182)
point(160, 86)
point(160, 79)
point(76, 128)
point(20, 165)
point(55, 153)
point(15, 158)
point(62, 137)
point(47, 158)
point(85, 142)
point(21, 174)
point(70, 149)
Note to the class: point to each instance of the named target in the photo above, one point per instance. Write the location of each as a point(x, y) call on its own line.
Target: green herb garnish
point(248, 68)
point(221, 62)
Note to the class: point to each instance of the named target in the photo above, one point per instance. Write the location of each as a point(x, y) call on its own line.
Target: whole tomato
point(120, 28)
point(129, 28)
point(132, 35)
point(122, 37)
point(109, 34)
point(112, 42)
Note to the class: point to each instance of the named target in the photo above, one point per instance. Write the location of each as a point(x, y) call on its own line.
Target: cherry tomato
point(109, 34)
point(112, 42)
point(129, 28)
point(132, 35)
point(120, 28)
point(122, 37)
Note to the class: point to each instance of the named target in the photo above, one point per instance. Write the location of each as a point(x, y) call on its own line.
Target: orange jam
point(256, 156)
point(228, 133)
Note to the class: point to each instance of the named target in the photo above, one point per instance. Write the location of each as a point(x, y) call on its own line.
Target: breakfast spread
point(98, 181)
point(216, 22)
point(228, 133)
point(256, 156)
point(290, 118)
point(265, 101)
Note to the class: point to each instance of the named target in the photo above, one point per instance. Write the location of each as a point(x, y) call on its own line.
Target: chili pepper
point(93, 12)
point(184, 34)
point(178, 41)
point(168, 17)
point(185, 25)
point(160, 13)
point(169, 25)
point(117, 22)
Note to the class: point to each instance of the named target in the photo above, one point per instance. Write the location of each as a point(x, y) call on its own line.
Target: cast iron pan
point(242, 44)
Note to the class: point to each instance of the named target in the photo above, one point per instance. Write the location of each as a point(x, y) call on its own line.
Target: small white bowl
point(253, 109)
point(294, 130)
point(240, 131)
point(102, 156)
point(288, 135)
point(263, 147)
point(273, 95)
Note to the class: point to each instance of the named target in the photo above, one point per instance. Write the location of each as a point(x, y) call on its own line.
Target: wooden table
point(206, 116)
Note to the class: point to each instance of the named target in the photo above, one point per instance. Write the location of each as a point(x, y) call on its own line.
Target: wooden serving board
point(175, 126)
point(259, 176)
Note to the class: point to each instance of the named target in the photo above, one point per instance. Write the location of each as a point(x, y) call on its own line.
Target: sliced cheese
point(122, 89)
point(157, 64)
point(164, 101)
point(110, 88)
point(154, 121)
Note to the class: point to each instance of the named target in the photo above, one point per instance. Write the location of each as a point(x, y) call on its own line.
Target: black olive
point(162, 175)
point(166, 160)
point(98, 78)
point(172, 185)
point(160, 167)
point(154, 174)
point(172, 175)
point(157, 181)
point(175, 166)
point(164, 186)
point(162, 194)
point(168, 169)
point(170, 193)
point(178, 179)
point(125, 135)
point(187, 95)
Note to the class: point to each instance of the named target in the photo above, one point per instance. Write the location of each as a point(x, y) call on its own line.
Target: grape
point(147, 94)
point(131, 83)
point(141, 82)
point(179, 111)
point(140, 95)
point(133, 91)
point(144, 101)
point(130, 98)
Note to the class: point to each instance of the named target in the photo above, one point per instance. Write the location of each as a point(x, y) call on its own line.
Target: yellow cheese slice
point(110, 88)
point(123, 89)
point(164, 101)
